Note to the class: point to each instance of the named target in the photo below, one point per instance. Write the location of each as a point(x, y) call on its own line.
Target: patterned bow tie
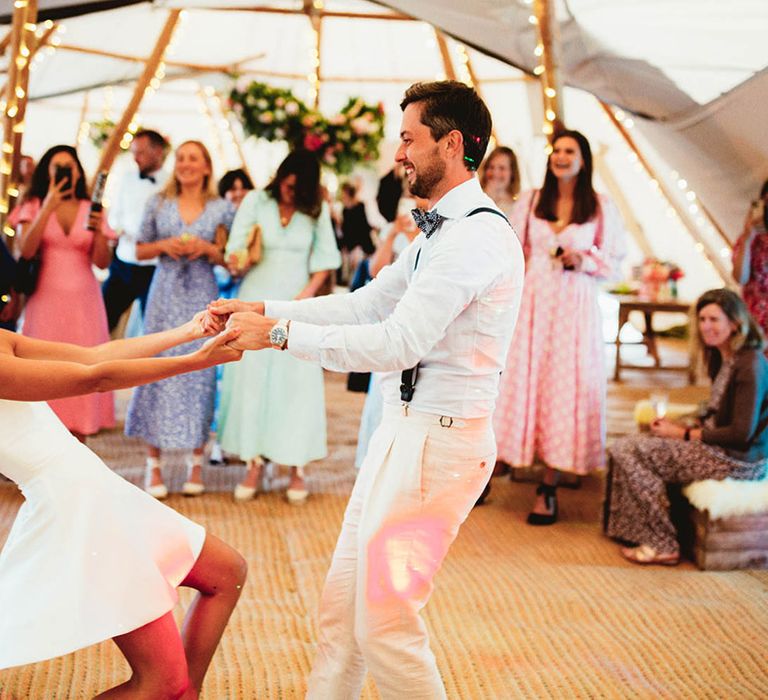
point(427, 221)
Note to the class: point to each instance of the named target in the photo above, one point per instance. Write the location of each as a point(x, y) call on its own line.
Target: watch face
point(278, 336)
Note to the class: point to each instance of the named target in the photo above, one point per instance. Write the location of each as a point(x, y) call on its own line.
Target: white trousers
point(419, 481)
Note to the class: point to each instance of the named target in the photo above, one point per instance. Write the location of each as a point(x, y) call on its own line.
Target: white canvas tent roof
point(690, 75)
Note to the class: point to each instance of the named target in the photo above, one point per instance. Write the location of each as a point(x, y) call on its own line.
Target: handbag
point(253, 245)
point(249, 255)
point(26, 274)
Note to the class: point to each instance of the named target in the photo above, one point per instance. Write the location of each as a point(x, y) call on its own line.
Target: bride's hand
point(217, 350)
point(203, 324)
point(223, 308)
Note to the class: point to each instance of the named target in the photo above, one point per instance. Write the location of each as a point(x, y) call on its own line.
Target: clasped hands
point(663, 427)
point(247, 318)
point(190, 247)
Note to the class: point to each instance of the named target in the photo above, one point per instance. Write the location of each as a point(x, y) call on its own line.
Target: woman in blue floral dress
point(179, 227)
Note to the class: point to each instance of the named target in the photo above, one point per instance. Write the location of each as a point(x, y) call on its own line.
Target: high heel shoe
point(193, 488)
point(550, 498)
point(297, 496)
point(158, 491)
point(246, 493)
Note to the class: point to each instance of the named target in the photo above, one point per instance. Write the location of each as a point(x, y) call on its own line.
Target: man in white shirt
point(449, 304)
point(129, 278)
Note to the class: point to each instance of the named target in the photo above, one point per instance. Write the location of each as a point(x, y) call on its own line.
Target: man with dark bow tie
point(129, 278)
point(439, 322)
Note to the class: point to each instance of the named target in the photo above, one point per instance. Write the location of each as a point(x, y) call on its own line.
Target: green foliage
point(341, 142)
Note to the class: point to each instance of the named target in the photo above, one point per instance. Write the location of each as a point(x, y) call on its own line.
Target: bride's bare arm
point(24, 379)
point(124, 349)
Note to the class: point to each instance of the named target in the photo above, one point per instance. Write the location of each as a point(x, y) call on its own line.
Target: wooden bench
point(720, 544)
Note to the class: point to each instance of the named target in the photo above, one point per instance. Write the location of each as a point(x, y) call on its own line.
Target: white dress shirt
point(454, 315)
point(127, 212)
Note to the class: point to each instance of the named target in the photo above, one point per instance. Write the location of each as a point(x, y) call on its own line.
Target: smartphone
point(63, 175)
point(558, 252)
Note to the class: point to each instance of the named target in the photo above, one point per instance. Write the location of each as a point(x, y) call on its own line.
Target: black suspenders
point(408, 377)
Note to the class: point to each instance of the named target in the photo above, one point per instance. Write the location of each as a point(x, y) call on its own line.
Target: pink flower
point(313, 142)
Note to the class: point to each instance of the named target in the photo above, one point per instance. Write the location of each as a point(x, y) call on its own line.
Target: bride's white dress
point(89, 556)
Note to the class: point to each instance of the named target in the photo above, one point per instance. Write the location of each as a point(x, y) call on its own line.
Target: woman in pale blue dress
point(272, 404)
point(179, 227)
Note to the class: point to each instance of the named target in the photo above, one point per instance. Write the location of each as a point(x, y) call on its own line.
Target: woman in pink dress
point(750, 260)
point(551, 404)
point(53, 222)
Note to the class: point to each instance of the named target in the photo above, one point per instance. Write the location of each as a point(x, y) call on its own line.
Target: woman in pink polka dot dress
point(750, 260)
point(551, 404)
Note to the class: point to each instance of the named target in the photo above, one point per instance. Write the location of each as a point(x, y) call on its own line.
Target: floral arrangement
point(659, 278)
point(270, 113)
point(100, 131)
point(341, 142)
point(355, 135)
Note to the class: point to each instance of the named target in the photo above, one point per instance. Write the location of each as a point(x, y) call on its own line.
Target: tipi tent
point(668, 93)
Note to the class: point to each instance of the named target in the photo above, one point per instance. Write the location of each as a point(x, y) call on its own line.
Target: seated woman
point(90, 556)
point(730, 441)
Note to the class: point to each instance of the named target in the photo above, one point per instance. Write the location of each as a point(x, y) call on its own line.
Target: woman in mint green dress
point(272, 404)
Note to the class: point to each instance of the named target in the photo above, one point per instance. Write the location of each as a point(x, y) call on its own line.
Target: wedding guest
point(179, 228)
point(355, 229)
point(299, 252)
point(390, 190)
point(26, 170)
point(129, 278)
point(551, 402)
point(55, 223)
point(730, 441)
point(90, 557)
point(500, 178)
point(234, 185)
point(750, 260)
point(9, 298)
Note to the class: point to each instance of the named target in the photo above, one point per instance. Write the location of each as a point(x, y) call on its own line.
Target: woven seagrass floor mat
point(518, 612)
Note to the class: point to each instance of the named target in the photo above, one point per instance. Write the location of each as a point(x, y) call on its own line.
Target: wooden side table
point(627, 304)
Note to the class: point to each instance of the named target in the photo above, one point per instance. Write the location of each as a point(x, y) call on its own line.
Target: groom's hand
point(254, 330)
point(225, 307)
point(218, 312)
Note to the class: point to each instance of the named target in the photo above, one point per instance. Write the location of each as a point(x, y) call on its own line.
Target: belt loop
point(446, 418)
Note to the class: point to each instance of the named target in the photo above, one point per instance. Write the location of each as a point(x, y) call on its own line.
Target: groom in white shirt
point(449, 305)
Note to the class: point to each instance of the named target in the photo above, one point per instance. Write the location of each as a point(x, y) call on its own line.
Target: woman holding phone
point(56, 225)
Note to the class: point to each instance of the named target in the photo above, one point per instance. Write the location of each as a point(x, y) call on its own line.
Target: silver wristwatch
point(278, 336)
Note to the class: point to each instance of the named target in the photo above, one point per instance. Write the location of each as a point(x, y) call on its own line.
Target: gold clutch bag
point(253, 245)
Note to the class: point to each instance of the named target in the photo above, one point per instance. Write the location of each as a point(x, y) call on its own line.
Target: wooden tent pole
point(5, 41)
point(202, 67)
point(34, 45)
point(23, 85)
point(548, 70)
point(202, 96)
point(445, 54)
point(313, 10)
point(81, 124)
point(685, 217)
point(109, 152)
point(15, 103)
point(225, 113)
point(476, 84)
point(617, 195)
